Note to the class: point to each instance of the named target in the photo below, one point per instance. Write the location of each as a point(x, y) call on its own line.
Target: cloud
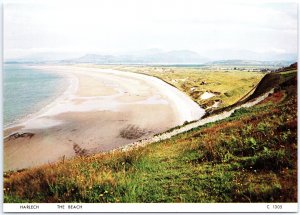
point(118, 25)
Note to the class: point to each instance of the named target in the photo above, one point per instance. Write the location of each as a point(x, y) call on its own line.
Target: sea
point(27, 90)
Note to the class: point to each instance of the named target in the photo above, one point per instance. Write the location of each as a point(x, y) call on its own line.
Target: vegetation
point(228, 86)
point(248, 157)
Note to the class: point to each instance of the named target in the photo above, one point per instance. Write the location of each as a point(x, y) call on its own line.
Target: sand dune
point(100, 110)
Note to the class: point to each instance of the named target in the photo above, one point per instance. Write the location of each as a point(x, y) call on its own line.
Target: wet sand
point(101, 110)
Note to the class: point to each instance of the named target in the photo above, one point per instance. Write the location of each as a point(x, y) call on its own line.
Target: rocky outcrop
point(20, 135)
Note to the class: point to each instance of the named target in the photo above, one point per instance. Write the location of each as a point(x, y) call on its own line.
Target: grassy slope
point(230, 85)
point(248, 157)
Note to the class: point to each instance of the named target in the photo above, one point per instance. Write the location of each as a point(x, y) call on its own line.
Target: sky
point(74, 28)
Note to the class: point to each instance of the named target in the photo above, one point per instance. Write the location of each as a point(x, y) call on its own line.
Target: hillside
point(249, 157)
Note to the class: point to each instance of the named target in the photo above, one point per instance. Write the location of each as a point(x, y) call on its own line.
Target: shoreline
point(72, 81)
point(19, 122)
point(92, 114)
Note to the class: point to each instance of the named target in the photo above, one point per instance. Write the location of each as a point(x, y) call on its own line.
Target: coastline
point(91, 114)
point(66, 80)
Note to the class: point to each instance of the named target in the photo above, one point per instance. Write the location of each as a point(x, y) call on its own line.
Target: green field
point(248, 157)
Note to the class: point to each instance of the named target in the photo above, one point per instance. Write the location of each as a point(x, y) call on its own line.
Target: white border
point(151, 207)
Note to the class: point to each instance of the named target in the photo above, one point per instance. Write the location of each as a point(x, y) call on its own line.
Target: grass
point(229, 86)
point(248, 157)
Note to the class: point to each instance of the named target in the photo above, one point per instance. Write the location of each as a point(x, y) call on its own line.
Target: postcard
point(170, 105)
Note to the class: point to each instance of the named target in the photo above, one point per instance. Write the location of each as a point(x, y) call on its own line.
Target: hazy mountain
point(157, 56)
point(153, 56)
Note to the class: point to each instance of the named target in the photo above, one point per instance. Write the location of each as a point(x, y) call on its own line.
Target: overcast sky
point(114, 26)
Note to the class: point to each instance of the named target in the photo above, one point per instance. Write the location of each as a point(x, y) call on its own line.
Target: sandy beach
point(100, 110)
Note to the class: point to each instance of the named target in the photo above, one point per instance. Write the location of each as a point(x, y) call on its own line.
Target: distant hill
point(151, 57)
point(157, 56)
point(251, 63)
point(293, 66)
point(177, 57)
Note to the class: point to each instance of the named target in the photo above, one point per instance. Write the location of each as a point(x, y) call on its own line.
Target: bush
point(267, 160)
